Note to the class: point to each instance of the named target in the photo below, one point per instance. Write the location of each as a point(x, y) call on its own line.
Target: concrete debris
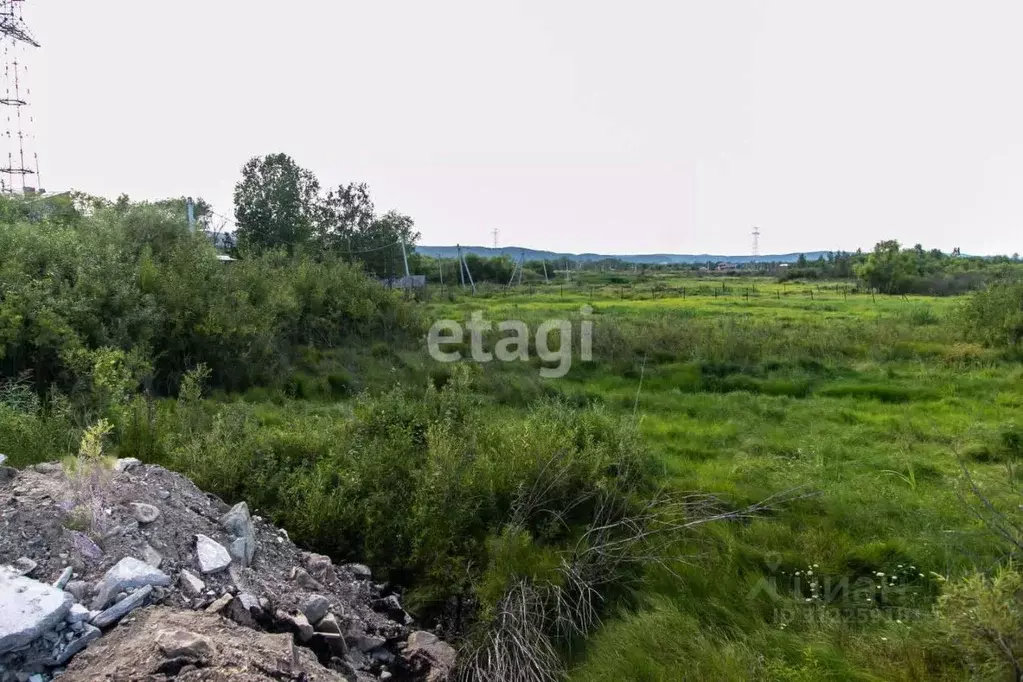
point(65, 576)
point(175, 571)
point(239, 524)
point(126, 574)
point(151, 556)
point(191, 585)
point(28, 608)
point(211, 554)
point(123, 607)
point(25, 566)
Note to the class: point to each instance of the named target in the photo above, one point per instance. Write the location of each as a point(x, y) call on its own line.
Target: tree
point(343, 213)
point(888, 268)
point(275, 203)
point(378, 245)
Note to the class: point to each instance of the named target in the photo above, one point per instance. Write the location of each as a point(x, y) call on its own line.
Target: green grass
point(863, 403)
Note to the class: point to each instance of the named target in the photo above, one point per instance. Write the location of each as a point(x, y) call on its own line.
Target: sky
point(570, 125)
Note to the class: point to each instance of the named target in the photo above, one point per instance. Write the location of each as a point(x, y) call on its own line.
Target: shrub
point(995, 316)
point(983, 618)
point(97, 304)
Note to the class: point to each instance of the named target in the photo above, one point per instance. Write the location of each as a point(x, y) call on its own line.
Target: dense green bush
point(995, 316)
point(133, 278)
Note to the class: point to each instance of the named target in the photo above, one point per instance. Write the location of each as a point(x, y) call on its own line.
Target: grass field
point(866, 405)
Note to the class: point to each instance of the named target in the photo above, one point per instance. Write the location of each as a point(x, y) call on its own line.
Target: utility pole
point(461, 265)
point(545, 277)
point(404, 257)
point(469, 273)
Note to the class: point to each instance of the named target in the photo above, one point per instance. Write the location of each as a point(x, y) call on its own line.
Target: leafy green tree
point(378, 245)
point(887, 269)
point(275, 203)
point(342, 215)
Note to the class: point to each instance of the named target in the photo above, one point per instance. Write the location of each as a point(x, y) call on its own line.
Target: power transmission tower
point(756, 243)
point(16, 38)
point(495, 237)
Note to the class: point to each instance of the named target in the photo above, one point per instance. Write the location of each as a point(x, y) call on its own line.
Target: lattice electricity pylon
point(14, 36)
point(756, 242)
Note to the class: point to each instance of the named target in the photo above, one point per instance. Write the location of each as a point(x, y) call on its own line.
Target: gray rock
point(123, 607)
point(426, 650)
point(315, 608)
point(245, 610)
point(79, 589)
point(191, 585)
point(3, 458)
point(336, 643)
point(144, 513)
point(367, 643)
point(318, 565)
point(77, 613)
point(360, 571)
point(48, 467)
point(126, 463)
point(239, 524)
point(304, 580)
point(151, 556)
point(25, 566)
point(28, 608)
point(391, 605)
point(7, 474)
point(212, 555)
point(184, 644)
point(90, 634)
point(85, 547)
point(65, 576)
point(127, 573)
point(220, 604)
point(329, 625)
point(36, 678)
point(298, 622)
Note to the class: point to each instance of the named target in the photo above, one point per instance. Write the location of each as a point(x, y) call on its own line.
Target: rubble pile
point(144, 576)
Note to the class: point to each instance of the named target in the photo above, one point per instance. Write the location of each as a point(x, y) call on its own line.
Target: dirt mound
point(161, 643)
point(121, 537)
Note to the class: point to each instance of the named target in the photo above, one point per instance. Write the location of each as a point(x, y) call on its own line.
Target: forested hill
point(649, 259)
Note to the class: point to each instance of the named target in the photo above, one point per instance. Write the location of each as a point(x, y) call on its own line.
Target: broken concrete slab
point(28, 608)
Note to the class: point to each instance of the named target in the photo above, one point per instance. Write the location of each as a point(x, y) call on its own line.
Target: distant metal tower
point(495, 237)
point(756, 242)
point(15, 38)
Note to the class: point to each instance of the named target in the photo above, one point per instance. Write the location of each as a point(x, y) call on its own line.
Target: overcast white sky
point(636, 127)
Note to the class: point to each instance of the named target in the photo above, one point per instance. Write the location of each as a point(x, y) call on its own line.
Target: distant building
point(726, 267)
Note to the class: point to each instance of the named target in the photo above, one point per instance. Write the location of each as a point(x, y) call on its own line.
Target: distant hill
point(647, 259)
